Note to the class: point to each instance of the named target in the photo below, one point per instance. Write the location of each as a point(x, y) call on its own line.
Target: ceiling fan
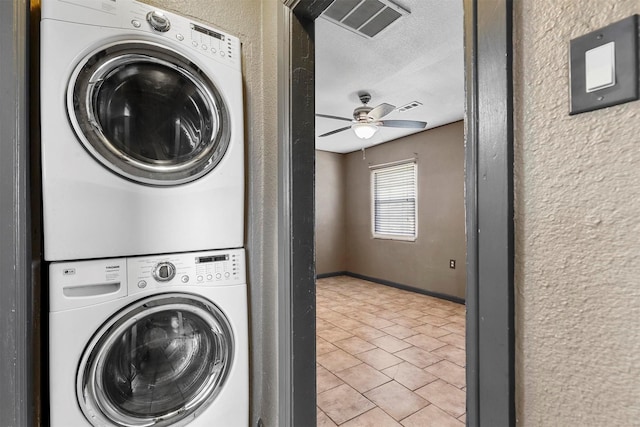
point(366, 120)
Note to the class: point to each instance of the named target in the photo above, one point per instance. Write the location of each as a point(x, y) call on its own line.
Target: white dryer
point(142, 132)
point(149, 341)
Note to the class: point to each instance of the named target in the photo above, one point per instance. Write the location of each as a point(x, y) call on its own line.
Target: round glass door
point(148, 114)
point(158, 362)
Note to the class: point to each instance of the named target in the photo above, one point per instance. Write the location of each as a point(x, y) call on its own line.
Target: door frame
point(18, 399)
point(490, 333)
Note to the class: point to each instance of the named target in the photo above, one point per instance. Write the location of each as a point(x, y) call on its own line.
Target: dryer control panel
point(153, 22)
point(192, 35)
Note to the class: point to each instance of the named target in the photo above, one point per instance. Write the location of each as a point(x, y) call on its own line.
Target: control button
point(135, 23)
point(158, 21)
point(218, 275)
point(180, 37)
point(199, 278)
point(194, 43)
point(204, 47)
point(209, 277)
point(222, 53)
point(226, 274)
point(213, 50)
point(184, 278)
point(142, 284)
point(164, 271)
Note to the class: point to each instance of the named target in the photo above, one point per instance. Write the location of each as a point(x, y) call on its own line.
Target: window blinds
point(394, 200)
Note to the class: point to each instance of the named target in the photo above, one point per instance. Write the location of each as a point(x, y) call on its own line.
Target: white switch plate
point(600, 67)
point(603, 67)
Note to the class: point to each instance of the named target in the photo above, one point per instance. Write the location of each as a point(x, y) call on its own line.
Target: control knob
point(158, 21)
point(164, 271)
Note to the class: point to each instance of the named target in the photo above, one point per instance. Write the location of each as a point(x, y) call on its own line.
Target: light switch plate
point(624, 35)
point(600, 67)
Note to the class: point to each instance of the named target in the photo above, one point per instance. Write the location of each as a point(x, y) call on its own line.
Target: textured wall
point(577, 186)
point(424, 263)
point(255, 23)
point(330, 213)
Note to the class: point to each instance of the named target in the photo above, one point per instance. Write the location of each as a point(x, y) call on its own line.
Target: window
point(394, 194)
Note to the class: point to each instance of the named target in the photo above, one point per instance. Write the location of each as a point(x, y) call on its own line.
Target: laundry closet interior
point(145, 316)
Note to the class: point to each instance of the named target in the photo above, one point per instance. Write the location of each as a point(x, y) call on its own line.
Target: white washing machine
point(142, 132)
point(149, 341)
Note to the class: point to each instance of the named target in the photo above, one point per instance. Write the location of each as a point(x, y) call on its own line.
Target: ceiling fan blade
point(334, 131)
point(381, 110)
point(326, 116)
point(411, 124)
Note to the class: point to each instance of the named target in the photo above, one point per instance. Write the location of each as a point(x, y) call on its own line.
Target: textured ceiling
point(417, 58)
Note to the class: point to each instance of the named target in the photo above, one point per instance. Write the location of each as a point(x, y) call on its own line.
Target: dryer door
point(148, 114)
point(160, 361)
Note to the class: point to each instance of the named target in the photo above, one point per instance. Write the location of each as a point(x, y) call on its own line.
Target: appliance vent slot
point(364, 17)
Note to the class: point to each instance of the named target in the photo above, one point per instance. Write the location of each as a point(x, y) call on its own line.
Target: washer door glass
point(148, 113)
point(160, 361)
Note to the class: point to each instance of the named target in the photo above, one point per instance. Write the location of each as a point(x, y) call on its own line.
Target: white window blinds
point(394, 191)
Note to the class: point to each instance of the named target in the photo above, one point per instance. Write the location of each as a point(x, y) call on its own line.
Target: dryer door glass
point(148, 113)
point(157, 362)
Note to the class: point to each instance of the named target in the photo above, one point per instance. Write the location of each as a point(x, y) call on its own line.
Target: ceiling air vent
point(364, 17)
point(409, 106)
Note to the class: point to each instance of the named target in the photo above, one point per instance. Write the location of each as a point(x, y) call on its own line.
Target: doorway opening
point(488, 206)
point(389, 211)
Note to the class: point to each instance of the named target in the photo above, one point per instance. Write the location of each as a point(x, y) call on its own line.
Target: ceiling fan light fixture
point(364, 130)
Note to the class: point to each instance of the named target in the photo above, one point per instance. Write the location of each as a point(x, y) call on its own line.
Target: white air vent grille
point(365, 17)
point(410, 106)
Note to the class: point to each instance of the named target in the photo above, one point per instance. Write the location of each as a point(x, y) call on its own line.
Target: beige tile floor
point(388, 357)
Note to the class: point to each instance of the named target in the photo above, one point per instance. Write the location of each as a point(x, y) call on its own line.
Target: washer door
point(148, 114)
point(160, 361)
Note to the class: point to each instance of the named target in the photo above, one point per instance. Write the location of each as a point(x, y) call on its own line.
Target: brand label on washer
point(68, 271)
point(112, 271)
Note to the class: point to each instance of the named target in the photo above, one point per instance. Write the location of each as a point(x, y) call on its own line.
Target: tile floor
point(388, 357)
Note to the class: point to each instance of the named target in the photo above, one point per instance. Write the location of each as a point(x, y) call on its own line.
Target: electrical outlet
point(452, 263)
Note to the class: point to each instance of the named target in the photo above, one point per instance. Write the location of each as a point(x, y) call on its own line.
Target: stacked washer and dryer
point(143, 203)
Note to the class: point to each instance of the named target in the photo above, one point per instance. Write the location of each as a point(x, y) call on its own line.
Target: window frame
point(376, 169)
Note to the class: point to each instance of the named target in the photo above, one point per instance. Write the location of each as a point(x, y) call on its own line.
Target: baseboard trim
point(334, 274)
point(451, 298)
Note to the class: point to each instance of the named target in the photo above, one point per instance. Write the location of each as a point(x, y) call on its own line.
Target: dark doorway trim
point(488, 200)
point(297, 292)
point(489, 213)
point(17, 403)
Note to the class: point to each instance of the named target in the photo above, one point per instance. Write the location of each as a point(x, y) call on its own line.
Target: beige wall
point(424, 263)
point(577, 187)
point(330, 213)
point(255, 23)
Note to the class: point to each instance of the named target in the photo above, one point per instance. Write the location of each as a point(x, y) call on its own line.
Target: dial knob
point(158, 21)
point(164, 271)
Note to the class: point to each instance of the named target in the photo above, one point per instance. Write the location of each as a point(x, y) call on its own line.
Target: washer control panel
point(74, 284)
point(209, 268)
point(164, 271)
